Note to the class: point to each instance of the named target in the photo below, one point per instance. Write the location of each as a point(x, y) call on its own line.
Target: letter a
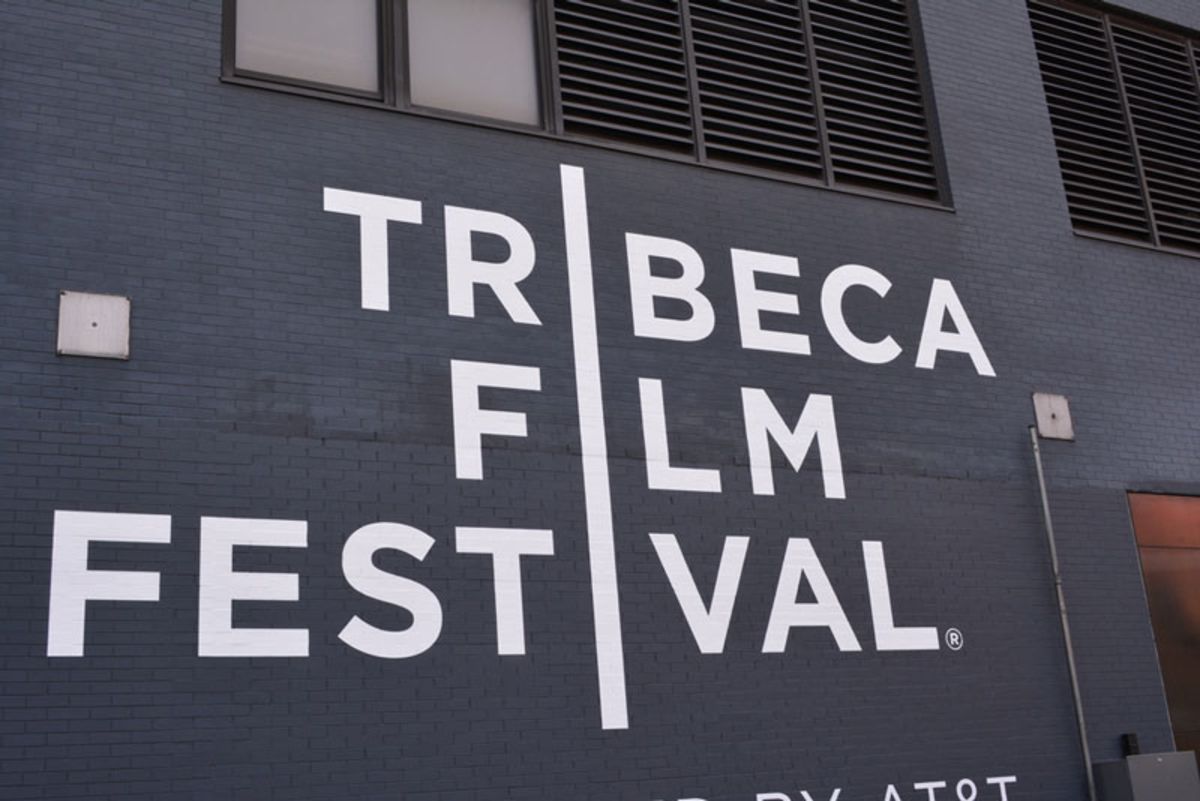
point(800, 560)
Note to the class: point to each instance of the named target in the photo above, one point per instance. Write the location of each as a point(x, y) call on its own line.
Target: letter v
point(709, 624)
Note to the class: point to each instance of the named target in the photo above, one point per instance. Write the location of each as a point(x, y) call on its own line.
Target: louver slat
point(1095, 151)
point(1160, 87)
point(744, 52)
point(868, 73)
point(622, 72)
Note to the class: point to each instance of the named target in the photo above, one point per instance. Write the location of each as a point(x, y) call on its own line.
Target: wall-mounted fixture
point(93, 325)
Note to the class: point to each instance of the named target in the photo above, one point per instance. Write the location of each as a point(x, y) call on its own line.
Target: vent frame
point(800, 145)
point(1160, 151)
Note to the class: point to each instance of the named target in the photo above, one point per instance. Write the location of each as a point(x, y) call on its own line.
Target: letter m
point(763, 424)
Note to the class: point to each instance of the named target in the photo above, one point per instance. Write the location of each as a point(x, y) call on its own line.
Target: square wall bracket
point(1053, 415)
point(93, 325)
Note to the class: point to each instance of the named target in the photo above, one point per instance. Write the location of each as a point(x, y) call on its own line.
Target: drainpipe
point(1062, 612)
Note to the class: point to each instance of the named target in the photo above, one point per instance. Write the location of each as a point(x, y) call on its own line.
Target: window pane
point(474, 56)
point(311, 40)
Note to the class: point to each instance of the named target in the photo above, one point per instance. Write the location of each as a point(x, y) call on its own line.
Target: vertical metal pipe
point(1062, 612)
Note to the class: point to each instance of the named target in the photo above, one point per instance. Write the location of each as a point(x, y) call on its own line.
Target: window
point(819, 91)
point(323, 43)
point(478, 58)
point(1124, 98)
point(474, 57)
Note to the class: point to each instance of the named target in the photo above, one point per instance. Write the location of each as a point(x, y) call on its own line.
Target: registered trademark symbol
point(954, 639)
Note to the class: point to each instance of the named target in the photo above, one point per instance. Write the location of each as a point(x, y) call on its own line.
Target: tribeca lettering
point(74, 585)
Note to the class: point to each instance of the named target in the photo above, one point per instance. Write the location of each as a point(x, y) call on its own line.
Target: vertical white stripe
point(610, 651)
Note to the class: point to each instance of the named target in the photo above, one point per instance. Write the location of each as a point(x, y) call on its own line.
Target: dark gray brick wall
point(259, 388)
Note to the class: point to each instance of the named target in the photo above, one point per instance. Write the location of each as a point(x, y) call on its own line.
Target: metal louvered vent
point(1125, 106)
point(756, 100)
point(1160, 88)
point(1095, 152)
point(623, 73)
point(871, 90)
point(822, 91)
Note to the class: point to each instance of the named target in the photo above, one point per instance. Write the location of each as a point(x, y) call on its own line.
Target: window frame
point(391, 20)
point(402, 85)
point(229, 68)
point(393, 95)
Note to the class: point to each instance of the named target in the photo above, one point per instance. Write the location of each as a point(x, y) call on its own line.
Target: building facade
point(659, 430)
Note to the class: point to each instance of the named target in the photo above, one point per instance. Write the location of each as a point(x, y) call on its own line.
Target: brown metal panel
point(1173, 592)
point(1167, 528)
point(1166, 521)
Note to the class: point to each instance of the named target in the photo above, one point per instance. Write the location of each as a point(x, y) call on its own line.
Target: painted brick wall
point(259, 388)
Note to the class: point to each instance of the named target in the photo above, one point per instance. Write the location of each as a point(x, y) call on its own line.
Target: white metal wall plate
point(93, 325)
point(1053, 415)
